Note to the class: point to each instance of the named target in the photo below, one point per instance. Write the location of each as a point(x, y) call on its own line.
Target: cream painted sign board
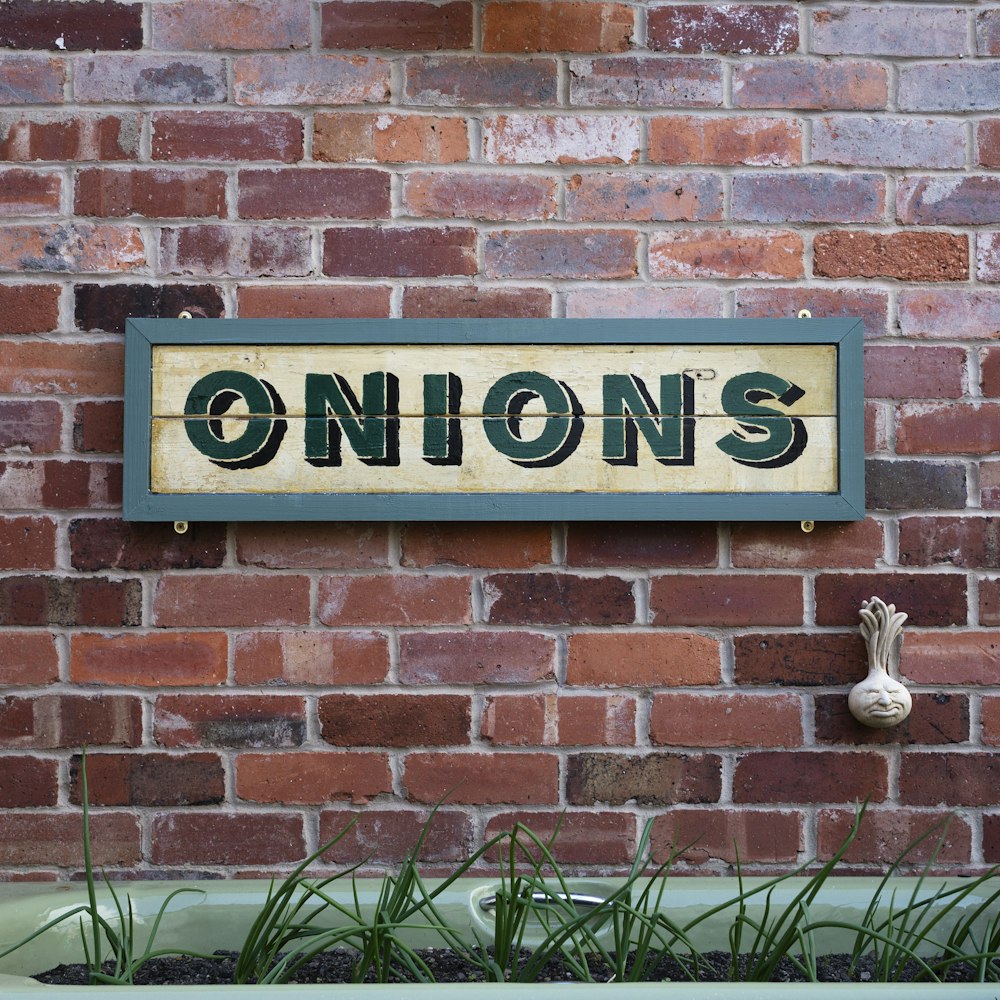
point(493, 419)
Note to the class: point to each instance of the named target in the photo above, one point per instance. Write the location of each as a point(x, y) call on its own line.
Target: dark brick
point(396, 24)
point(399, 252)
point(929, 599)
point(31, 426)
point(556, 598)
point(469, 81)
point(737, 29)
point(314, 192)
point(106, 307)
point(395, 720)
point(36, 24)
point(53, 600)
point(936, 719)
point(110, 543)
point(914, 485)
point(430, 302)
point(99, 426)
point(53, 721)
point(650, 779)
point(810, 776)
point(798, 660)
point(949, 779)
point(26, 782)
point(991, 838)
point(808, 197)
point(643, 544)
point(150, 779)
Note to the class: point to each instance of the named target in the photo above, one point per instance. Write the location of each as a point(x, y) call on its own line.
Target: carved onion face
point(880, 701)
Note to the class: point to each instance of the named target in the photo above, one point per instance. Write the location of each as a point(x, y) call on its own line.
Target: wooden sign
point(493, 419)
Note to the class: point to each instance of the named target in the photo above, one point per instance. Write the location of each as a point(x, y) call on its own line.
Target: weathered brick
point(988, 256)
point(914, 485)
point(31, 80)
point(680, 719)
point(929, 599)
point(603, 720)
point(28, 308)
point(988, 32)
point(642, 659)
point(950, 657)
point(847, 84)
point(798, 660)
point(396, 24)
point(557, 598)
point(60, 485)
point(28, 782)
point(988, 142)
point(949, 779)
point(351, 136)
point(989, 602)
point(309, 778)
point(651, 778)
point(71, 27)
point(744, 139)
point(577, 838)
point(877, 421)
point(314, 192)
point(30, 427)
point(476, 657)
point(395, 720)
point(482, 778)
point(110, 543)
point(643, 302)
point(150, 79)
point(227, 838)
point(333, 545)
point(82, 136)
point(309, 79)
point(559, 26)
point(884, 30)
point(906, 256)
point(50, 838)
point(313, 301)
point(27, 542)
point(896, 372)
point(240, 720)
point(227, 136)
point(849, 140)
point(387, 836)
point(52, 721)
point(948, 200)
point(561, 253)
point(644, 197)
point(922, 428)
point(949, 314)
point(762, 836)
point(28, 658)
point(225, 24)
point(156, 193)
point(471, 81)
point(937, 719)
point(29, 192)
point(990, 716)
point(526, 138)
point(735, 29)
point(295, 658)
point(471, 301)
point(550, 720)
point(231, 599)
point(989, 485)
point(403, 600)
point(688, 599)
point(886, 833)
point(725, 253)
point(73, 247)
point(953, 86)
point(785, 546)
point(107, 307)
point(150, 779)
point(949, 541)
point(478, 196)
point(808, 197)
point(647, 83)
point(780, 776)
point(55, 600)
point(513, 546)
point(243, 251)
point(399, 251)
point(989, 371)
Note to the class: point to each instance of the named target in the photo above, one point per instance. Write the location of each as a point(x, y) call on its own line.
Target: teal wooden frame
point(847, 504)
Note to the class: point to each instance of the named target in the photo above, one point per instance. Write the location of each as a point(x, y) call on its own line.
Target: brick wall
point(246, 688)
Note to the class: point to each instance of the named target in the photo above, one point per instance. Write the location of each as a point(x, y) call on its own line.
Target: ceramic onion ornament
point(880, 701)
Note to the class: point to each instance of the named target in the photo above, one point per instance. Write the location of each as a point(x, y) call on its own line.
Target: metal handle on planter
point(546, 898)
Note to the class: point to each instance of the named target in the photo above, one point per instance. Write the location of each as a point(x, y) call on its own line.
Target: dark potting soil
point(447, 967)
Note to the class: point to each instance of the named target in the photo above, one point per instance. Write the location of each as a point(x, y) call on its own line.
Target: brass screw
point(185, 314)
point(181, 527)
point(805, 314)
point(807, 526)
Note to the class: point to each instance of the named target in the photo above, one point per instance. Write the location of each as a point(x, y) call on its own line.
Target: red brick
point(528, 138)
point(51, 838)
point(107, 307)
point(475, 657)
point(647, 779)
point(313, 301)
point(886, 833)
point(989, 369)
point(948, 201)
point(548, 720)
point(395, 720)
point(227, 838)
point(950, 657)
point(98, 427)
point(642, 659)
point(643, 545)
point(28, 192)
point(745, 139)
point(231, 599)
point(785, 546)
point(305, 79)
point(30, 427)
point(929, 599)
point(762, 836)
point(691, 599)
point(153, 193)
point(28, 782)
point(150, 779)
point(520, 720)
point(647, 83)
point(28, 309)
point(897, 372)
point(989, 485)
point(28, 658)
point(725, 253)
point(399, 251)
point(396, 24)
point(55, 600)
point(810, 776)
point(560, 26)
point(644, 302)
point(148, 78)
point(922, 428)
point(31, 80)
point(239, 720)
point(905, 485)
point(643, 197)
point(988, 142)
point(482, 778)
point(227, 136)
point(949, 541)
point(309, 778)
point(735, 29)
point(555, 598)
point(597, 720)
point(949, 779)
point(387, 836)
point(472, 81)
point(870, 304)
point(854, 141)
point(314, 192)
point(402, 600)
point(106, 543)
point(991, 720)
point(798, 660)
point(581, 838)
point(507, 546)
point(988, 256)
point(243, 251)
point(59, 485)
point(81, 136)
point(74, 247)
point(444, 195)
point(470, 301)
point(297, 658)
point(847, 84)
point(53, 721)
point(949, 314)
point(561, 253)
point(312, 545)
point(388, 137)
point(71, 27)
point(156, 659)
point(808, 197)
point(991, 838)
point(225, 24)
point(936, 719)
point(905, 256)
point(27, 543)
point(890, 31)
point(679, 719)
